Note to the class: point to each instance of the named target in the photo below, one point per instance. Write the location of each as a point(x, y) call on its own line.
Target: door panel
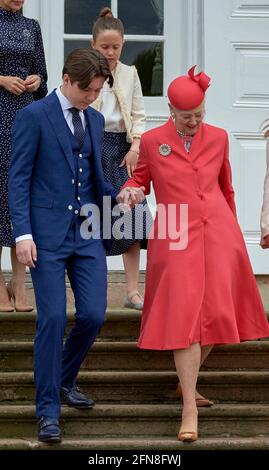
point(236, 53)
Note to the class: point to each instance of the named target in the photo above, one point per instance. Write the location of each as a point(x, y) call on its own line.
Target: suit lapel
point(56, 117)
point(196, 144)
point(95, 133)
point(178, 145)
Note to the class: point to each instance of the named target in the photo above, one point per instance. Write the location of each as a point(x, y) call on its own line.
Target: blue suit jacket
point(42, 170)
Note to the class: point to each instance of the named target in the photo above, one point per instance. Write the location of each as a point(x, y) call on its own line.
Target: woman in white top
point(123, 109)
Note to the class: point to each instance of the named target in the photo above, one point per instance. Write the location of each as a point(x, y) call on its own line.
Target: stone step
point(139, 421)
point(147, 387)
point(116, 291)
point(124, 355)
point(120, 324)
point(132, 443)
point(117, 288)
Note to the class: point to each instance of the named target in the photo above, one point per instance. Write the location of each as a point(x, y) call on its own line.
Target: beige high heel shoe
point(187, 436)
point(6, 306)
point(201, 402)
point(18, 307)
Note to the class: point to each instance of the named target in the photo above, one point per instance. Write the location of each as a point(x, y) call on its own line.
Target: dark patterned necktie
point(79, 131)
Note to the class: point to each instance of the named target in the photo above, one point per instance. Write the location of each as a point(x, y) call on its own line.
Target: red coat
point(205, 293)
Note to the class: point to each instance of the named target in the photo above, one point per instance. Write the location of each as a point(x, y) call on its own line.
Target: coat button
point(80, 170)
point(70, 207)
point(79, 184)
point(73, 181)
point(78, 198)
point(80, 155)
point(76, 211)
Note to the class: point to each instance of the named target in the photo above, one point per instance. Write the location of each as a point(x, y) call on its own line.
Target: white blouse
point(111, 111)
point(129, 99)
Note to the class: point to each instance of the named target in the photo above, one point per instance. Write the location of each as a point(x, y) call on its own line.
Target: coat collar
point(116, 87)
point(176, 143)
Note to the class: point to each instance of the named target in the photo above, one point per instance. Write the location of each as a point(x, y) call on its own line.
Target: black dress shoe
point(49, 430)
point(74, 397)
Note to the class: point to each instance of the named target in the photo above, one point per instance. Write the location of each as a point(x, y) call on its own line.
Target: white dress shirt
point(65, 105)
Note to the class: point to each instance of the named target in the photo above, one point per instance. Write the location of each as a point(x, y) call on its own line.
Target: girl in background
point(123, 109)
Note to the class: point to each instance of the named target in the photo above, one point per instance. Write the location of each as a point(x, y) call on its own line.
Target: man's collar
point(65, 103)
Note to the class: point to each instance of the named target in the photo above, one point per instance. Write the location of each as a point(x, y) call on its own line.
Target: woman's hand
point(129, 197)
point(265, 242)
point(130, 160)
point(14, 85)
point(32, 83)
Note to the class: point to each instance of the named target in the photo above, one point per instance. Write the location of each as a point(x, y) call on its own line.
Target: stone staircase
point(136, 405)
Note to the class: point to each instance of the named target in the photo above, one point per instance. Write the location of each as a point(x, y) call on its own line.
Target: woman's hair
point(265, 128)
point(106, 21)
point(82, 65)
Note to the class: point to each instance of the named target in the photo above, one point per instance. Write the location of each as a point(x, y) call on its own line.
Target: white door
point(236, 55)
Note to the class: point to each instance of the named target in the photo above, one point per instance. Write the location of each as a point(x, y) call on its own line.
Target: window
point(157, 36)
point(143, 24)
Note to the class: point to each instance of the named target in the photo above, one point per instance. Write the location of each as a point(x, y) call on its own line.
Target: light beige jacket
point(127, 88)
point(265, 205)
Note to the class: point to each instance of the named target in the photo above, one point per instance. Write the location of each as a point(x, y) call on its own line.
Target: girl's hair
point(106, 21)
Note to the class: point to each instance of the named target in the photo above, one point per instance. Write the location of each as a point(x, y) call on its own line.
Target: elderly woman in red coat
point(200, 288)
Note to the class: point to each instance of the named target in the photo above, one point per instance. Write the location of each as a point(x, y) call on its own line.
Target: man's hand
point(14, 85)
point(32, 83)
point(129, 197)
point(26, 252)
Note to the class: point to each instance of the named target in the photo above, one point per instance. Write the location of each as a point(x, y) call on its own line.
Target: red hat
point(188, 91)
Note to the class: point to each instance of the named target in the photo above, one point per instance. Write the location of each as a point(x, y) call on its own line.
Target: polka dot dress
point(21, 54)
point(134, 225)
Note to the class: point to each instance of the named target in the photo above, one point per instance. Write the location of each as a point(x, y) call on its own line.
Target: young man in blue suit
point(55, 170)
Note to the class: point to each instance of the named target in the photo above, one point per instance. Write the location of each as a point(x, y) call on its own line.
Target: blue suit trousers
point(56, 364)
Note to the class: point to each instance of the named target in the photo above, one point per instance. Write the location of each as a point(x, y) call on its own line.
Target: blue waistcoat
point(84, 171)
